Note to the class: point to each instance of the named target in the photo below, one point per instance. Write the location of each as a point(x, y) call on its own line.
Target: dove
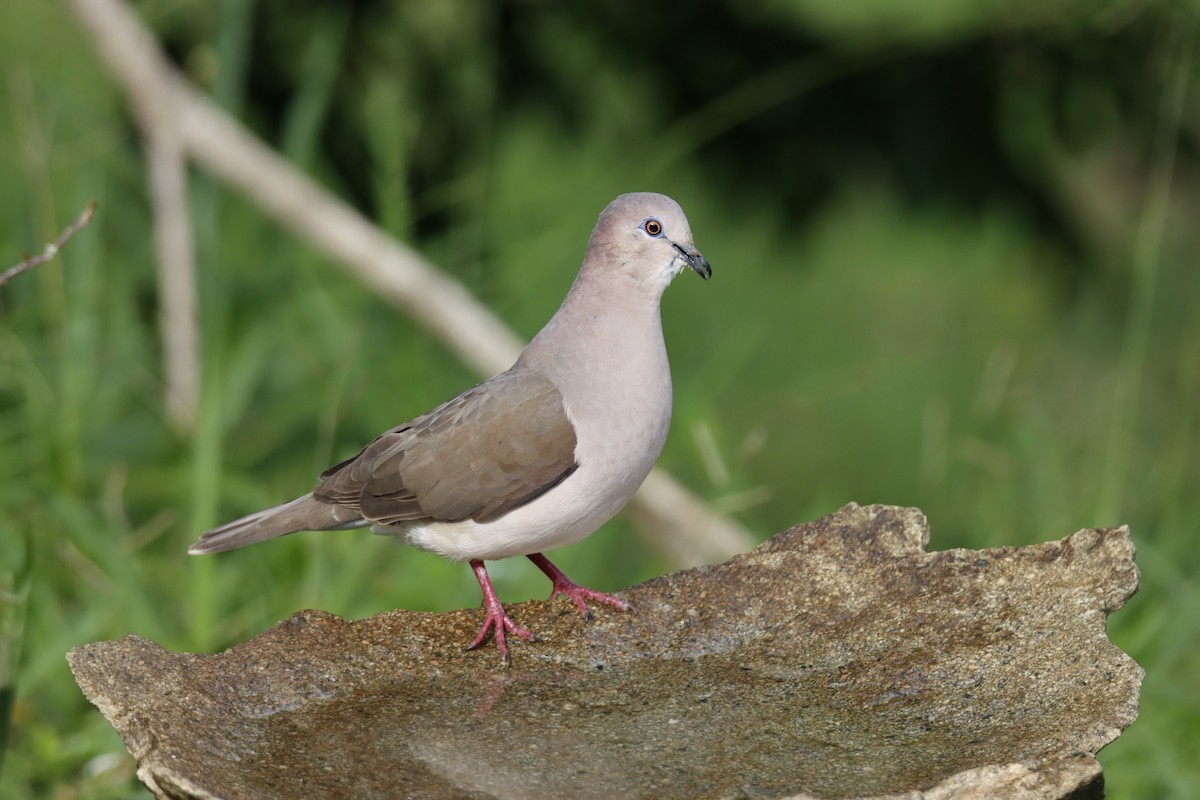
point(539, 456)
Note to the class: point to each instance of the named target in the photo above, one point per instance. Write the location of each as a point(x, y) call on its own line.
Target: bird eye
point(653, 227)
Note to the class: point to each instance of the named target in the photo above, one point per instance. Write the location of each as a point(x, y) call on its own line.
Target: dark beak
point(696, 261)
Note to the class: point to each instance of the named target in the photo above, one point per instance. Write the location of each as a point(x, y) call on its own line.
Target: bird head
point(646, 236)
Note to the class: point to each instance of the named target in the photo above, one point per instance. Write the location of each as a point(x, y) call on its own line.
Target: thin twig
point(51, 250)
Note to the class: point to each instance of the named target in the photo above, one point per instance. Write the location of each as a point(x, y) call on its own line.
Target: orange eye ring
point(653, 227)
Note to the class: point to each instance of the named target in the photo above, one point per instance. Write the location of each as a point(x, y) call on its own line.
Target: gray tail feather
point(302, 514)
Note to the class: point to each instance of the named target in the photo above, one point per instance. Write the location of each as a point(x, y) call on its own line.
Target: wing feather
point(493, 448)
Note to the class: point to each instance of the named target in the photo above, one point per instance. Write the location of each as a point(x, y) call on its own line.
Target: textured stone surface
point(837, 660)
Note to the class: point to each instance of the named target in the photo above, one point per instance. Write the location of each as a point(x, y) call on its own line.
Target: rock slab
point(837, 660)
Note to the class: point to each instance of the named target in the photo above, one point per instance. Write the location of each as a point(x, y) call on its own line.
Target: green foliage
point(954, 268)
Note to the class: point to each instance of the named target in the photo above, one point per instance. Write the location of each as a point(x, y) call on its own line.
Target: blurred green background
point(954, 246)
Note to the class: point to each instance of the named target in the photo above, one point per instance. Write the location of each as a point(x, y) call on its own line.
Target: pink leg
point(496, 617)
point(564, 585)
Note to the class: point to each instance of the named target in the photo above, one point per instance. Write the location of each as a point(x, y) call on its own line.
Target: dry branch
point(175, 255)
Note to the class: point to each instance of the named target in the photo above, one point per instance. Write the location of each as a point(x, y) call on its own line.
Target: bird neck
point(600, 315)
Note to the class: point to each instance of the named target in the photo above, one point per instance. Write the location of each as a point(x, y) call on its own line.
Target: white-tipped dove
point(539, 456)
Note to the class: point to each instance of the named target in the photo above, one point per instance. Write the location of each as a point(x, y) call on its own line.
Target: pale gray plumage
point(538, 456)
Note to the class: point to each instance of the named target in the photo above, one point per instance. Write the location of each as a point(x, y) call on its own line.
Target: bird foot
point(567, 587)
point(499, 621)
point(496, 618)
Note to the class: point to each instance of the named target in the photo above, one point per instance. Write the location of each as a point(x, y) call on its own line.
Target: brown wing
point(491, 449)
